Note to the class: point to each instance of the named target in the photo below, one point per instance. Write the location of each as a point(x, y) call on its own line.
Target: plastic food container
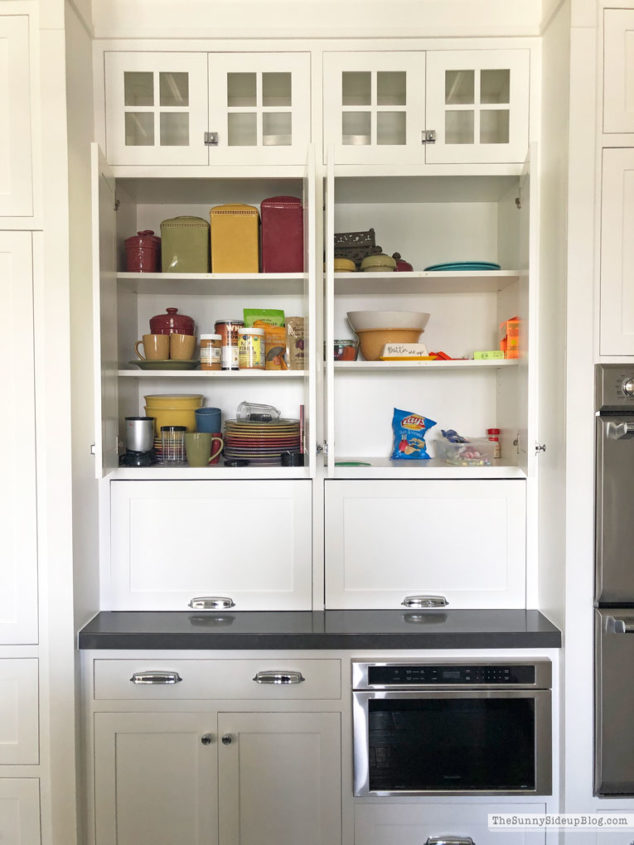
point(345, 350)
point(251, 349)
point(185, 245)
point(477, 452)
point(282, 235)
point(234, 239)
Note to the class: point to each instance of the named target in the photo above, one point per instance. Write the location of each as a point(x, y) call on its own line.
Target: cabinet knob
point(207, 739)
point(424, 601)
point(227, 739)
point(273, 676)
point(155, 678)
point(211, 603)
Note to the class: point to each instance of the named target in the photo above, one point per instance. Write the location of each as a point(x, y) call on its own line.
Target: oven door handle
point(449, 840)
point(619, 431)
point(619, 626)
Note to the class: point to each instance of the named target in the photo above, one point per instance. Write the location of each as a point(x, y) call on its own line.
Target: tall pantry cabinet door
point(18, 516)
point(477, 103)
point(20, 811)
point(16, 179)
point(374, 107)
point(279, 779)
point(155, 779)
point(156, 108)
point(617, 253)
point(618, 70)
point(259, 108)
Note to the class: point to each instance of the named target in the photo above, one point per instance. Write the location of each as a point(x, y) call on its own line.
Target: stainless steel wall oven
point(452, 728)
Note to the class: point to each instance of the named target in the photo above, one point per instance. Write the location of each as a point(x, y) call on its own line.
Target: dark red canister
point(171, 323)
point(282, 235)
point(143, 252)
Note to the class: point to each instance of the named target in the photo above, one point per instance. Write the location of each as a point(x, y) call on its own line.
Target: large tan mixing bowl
point(173, 409)
point(372, 341)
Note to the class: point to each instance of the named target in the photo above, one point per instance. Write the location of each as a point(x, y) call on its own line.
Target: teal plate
point(462, 266)
point(170, 364)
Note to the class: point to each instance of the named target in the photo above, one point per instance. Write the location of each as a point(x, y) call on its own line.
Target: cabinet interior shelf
point(223, 374)
point(432, 468)
point(216, 472)
point(390, 366)
point(420, 281)
point(197, 284)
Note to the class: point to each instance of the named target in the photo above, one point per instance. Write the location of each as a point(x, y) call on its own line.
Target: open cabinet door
point(329, 238)
point(310, 296)
point(104, 263)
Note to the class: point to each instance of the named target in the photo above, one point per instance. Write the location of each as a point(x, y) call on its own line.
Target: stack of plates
point(465, 266)
point(261, 442)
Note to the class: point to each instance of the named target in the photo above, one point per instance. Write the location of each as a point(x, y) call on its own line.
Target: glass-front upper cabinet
point(453, 106)
point(199, 109)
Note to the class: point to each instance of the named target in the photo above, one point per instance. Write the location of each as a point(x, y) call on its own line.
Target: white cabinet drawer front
point(246, 540)
point(19, 718)
point(217, 679)
point(618, 70)
point(20, 811)
point(386, 540)
point(403, 824)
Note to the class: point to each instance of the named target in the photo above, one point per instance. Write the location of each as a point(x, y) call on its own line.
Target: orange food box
point(234, 239)
point(510, 337)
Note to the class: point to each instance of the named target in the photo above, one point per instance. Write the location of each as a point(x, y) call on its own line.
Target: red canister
point(171, 323)
point(282, 235)
point(143, 252)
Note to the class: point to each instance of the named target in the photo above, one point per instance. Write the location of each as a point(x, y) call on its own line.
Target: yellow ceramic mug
point(182, 346)
point(155, 346)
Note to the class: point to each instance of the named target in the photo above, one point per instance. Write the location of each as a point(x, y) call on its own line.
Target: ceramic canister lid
point(171, 323)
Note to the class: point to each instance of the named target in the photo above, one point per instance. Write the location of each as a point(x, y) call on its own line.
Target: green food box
point(488, 354)
point(185, 245)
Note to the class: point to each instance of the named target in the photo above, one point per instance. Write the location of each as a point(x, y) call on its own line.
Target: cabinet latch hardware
point(93, 449)
point(211, 139)
point(540, 447)
point(428, 136)
point(322, 448)
point(117, 203)
point(518, 202)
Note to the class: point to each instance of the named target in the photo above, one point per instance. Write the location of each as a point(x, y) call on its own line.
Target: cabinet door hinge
point(117, 203)
point(540, 447)
point(428, 136)
point(211, 139)
point(322, 448)
point(93, 449)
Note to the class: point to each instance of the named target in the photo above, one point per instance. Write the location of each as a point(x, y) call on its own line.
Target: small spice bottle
point(251, 349)
point(228, 331)
point(210, 352)
point(493, 435)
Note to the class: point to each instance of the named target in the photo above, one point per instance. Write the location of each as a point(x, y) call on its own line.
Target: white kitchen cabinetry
point(402, 824)
point(20, 811)
point(19, 714)
point(18, 527)
point(174, 541)
point(617, 253)
point(255, 108)
point(618, 70)
point(388, 542)
point(16, 174)
point(453, 106)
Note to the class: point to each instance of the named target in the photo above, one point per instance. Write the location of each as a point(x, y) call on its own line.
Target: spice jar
point(210, 352)
point(228, 331)
point(493, 435)
point(251, 349)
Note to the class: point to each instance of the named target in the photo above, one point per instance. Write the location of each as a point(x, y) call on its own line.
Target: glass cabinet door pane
point(276, 89)
point(459, 127)
point(241, 89)
point(495, 86)
point(459, 87)
point(138, 88)
point(174, 129)
point(139, 129)
point(277, 129)
point(390, 127)
point(356, 88)
point(243, 130)
point(391, 88)
point(494, 126)
point(355, 128)
point(174, 89)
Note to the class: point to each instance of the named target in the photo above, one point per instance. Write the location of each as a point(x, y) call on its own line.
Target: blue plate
point(459, 266)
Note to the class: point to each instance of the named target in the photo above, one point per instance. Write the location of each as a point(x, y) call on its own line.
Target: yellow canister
point(234, 239)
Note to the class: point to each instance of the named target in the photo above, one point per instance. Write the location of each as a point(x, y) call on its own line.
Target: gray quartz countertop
point(330, 629)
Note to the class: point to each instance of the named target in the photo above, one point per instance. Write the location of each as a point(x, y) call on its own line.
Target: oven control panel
point(614, 384)
point(404, 675)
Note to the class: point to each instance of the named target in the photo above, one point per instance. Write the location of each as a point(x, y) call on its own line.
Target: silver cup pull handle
point(424, 601)
point(278, 677)
point(211, 603)
point(155, 678)
point(450, 840)
point(619, 626)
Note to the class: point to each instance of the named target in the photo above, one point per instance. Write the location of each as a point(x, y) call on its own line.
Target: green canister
point(185, 245)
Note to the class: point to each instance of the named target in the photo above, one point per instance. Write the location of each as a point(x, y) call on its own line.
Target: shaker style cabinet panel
point(155, 779)
point(462, 106)
point(16, 177)
point(174, 541)
point(618, 70)
point(18, 517)
point(20, 811)
point(19, 716)
point(617, 253)
point(388, 541)
point(198, 108)
point(279, 778)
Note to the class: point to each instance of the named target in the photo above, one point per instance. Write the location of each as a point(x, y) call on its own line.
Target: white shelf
point(430, 469)
point(421, 281)
point(213, 283)
point(216, 472)
point(391, 366)
point(213, 374)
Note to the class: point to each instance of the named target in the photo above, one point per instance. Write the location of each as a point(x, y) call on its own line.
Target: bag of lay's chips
point(409, 435)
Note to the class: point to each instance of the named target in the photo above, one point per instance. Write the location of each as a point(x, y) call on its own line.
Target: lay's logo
point(413, 422)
